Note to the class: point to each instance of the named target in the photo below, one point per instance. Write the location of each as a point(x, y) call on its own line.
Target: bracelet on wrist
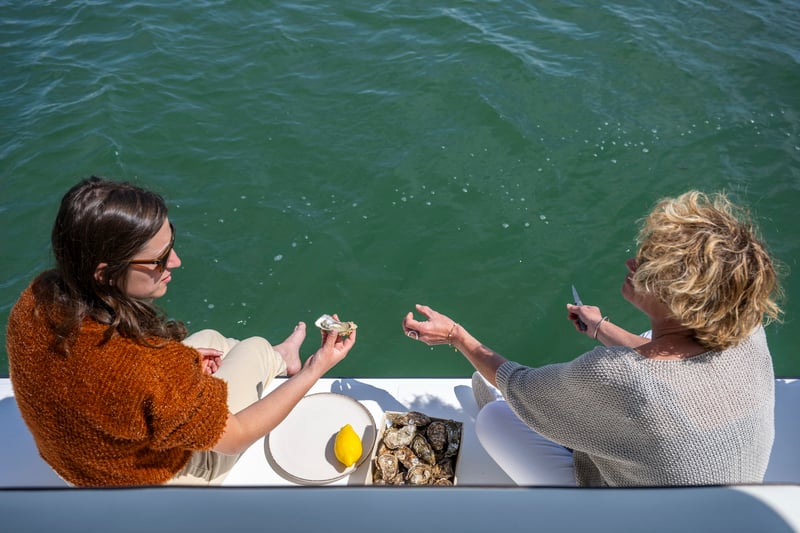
point(450, 335)
point(597, 327)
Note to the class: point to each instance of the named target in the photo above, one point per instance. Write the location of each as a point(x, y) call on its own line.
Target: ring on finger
point(413, 334)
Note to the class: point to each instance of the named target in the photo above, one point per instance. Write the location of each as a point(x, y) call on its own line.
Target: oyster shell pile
point(417, 450)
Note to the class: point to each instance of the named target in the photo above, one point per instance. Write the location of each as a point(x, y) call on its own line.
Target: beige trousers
point(247, 366)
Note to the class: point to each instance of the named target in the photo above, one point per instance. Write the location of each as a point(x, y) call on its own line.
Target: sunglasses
point(161, 262)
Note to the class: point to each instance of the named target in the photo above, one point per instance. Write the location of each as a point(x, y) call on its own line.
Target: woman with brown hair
point(115, 393)
point(692, 404)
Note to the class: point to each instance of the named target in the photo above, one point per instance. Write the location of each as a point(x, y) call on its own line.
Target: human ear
point(100, 274)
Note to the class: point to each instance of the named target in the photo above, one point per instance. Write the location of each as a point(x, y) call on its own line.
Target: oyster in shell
point(443, 470)
point(328, 323)
point(382, 449)
point(437, 435)
point(407, 457)
point(419, 475)
point(399, 479)
point(411, 418)
point(395, 438)
point(387, 465)
point(453, 439)
point(423, 449)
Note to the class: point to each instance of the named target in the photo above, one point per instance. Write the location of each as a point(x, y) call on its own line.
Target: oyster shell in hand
point(328, 323)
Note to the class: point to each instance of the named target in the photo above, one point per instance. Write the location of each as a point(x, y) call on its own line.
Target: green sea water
point(360, 157)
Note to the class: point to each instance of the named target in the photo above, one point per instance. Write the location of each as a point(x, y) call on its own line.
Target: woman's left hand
point(437, 329)
point(210, 359)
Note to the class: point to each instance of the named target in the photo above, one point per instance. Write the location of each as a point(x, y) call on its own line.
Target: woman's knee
point(491, 422)
point(257, 354)
point(209, 338)
point(491, 415)
point(255, 342)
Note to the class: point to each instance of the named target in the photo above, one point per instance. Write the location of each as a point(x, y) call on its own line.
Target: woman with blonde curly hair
point(691, 403)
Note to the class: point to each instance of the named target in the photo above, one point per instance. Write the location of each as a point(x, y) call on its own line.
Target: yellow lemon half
point(347, 446)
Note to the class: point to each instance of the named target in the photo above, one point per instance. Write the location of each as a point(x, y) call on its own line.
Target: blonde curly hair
point(702, 257)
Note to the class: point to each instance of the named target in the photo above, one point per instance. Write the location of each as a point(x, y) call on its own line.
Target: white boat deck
point(27, 484)
point(21, 466)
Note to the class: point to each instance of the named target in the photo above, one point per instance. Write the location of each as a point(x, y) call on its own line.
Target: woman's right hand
point(588, 314)
point(264, 415)
point(333, 348)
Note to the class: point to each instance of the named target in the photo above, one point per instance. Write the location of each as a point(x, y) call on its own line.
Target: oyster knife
point(577, 299)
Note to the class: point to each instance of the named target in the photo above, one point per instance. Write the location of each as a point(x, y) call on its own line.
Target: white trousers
point(248, 366)
point(527, 457)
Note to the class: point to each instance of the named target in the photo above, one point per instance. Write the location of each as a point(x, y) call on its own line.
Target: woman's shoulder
point(37, 302)
point(608, 357)
point(608, 366)
point(601, 363)
point(26, 301)
point(755, 342)
point(31, 317)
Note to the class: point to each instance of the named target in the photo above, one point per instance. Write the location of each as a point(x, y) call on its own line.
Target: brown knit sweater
point(112, 414)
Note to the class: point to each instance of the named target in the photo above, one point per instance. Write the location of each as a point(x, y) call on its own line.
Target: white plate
point(301, 447)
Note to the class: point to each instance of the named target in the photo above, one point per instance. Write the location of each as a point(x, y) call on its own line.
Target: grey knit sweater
point(633, 421)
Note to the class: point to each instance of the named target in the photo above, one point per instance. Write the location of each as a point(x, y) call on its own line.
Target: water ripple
point(395, 146)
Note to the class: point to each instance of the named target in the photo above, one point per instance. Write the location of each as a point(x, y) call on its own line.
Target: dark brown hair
point(102, 221)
